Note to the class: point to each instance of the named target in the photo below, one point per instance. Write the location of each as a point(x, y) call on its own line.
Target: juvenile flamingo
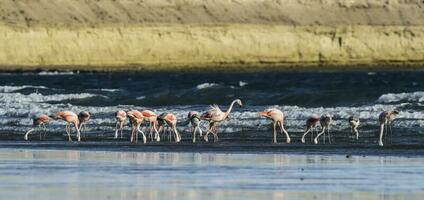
point(39, 121)
point(310, 126)
point(151, 117)
point(386, 118)
point(325, 122)
point(354, 123)
point(69, 117)
point(83, 118)
point(170, 120)
point(277, 116)
point(136, 118)
point(214, 116)
point(194, 119)
point(120, 116)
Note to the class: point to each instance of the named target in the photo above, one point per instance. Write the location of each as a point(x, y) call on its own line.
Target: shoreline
point(410, 150)
point(220, 67)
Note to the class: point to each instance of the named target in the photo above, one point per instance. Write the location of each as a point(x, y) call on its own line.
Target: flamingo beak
point(262, 113)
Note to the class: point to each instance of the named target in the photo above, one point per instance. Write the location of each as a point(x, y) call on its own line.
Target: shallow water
point(298, 94)
point(69, 174)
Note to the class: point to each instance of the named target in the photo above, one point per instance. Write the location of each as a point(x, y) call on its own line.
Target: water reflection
point(54, 174)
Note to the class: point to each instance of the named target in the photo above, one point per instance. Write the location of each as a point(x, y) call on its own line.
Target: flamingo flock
point(166, 123)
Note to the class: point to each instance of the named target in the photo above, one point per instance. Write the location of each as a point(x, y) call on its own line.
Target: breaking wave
point(402, 97)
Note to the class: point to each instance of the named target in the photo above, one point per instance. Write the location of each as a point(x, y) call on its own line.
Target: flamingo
point(120, 116)
point(325, 122)
point(38, 121)
point(151, 117)
point(386, 118)
point(136, 118)
point(277, 116)
point(354, 123)
point(83, 118)
point(310, 126)
point(69, 117)
point(214, 116)
point(170, 120)
point(194, 119)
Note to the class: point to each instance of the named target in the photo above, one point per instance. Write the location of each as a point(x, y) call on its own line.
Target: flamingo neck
point(229, 109)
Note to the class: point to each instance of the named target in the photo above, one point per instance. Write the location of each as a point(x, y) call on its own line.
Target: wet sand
point(99, 174)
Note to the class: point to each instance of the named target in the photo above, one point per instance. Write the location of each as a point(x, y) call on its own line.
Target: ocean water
point(299, 94)
point(71, 174)
point(244, 165)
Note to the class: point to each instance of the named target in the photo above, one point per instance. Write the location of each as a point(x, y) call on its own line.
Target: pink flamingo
point(325, 122)
point(386, 118)
point(310, 125)
point(354, 123)
point(277, 116)
point(136, 118)
point(120, 116)
point(194, 119)
point(214, 116)
point(83, 118)
point(69, 117)
point(38, 121)
point(170, 120)
point(151, 117)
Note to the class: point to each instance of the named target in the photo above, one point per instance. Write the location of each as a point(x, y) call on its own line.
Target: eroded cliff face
point(129, 34)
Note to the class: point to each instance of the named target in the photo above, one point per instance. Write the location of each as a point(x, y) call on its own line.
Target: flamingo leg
point(157, 136)
point(151, 132)
point(45, 131)
point(391, 133)
point(121, 126)
point(78, 131)
point(356, 132)
point(144, 135)
point(215, 134)
point(329, 136)
point(177, 135)
point(308, 129)
point(380, 139)
point(283, 130)
point(319, 134)
point(194, 134)
point(275, 132)
point(132, 133)
point(205, 137)
point(385, 133)
point(27, 133)
point(116, 130)
point(68, 131)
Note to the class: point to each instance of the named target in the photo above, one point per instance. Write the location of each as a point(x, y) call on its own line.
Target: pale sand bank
point(186, 34)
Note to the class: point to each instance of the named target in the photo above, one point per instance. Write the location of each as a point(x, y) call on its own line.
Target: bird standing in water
point(277, 116)
point(194, 119)
point(38, 122)
point(170, 120)
point(120, 116)
point(69, 117)
point(354, 123)
point(136, 118)
point(151, 118)
point(214, 116)
point(325, 122)
point(310, 126)
point(386, 118)
point(83, 118)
